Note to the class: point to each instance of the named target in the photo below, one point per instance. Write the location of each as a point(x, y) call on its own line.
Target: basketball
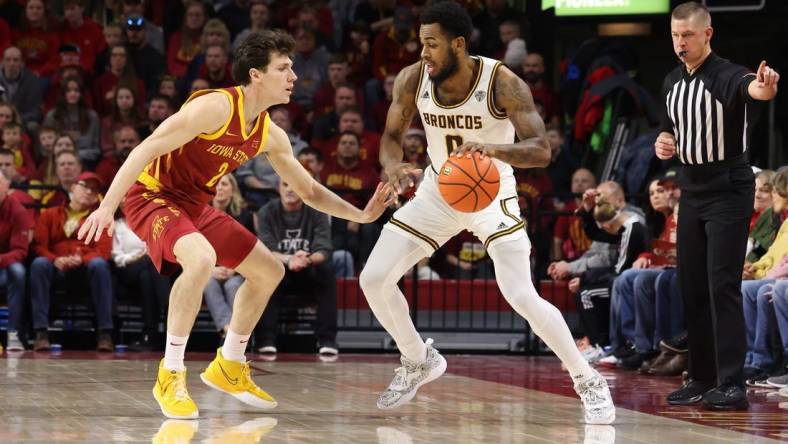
point(468, 184)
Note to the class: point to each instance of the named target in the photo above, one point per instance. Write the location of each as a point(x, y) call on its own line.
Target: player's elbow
point(306, 191)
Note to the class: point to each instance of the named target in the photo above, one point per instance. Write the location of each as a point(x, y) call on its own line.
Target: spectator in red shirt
point(185, 43)
point(126, 139)
point(569, 239)
point(121, 71)
point(533, 74)
point(125, 112)
point(37, 39)
point(23, 153)
point(396, 47)
point(67, 168)
point(355, 182)
point(352, 120)
point(5, 34)
point(15, 228)
point(64, 258)
point(213, 33)
point(83, 32)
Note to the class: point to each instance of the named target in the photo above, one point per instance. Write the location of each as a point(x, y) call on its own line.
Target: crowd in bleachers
point(83, 82)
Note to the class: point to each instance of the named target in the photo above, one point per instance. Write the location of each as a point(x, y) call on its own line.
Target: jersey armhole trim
point(421, 80)
point(494, 111)
point(264, 137)
point(218, 133)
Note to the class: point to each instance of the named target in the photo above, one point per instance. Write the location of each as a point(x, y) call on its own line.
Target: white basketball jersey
point(474, 119)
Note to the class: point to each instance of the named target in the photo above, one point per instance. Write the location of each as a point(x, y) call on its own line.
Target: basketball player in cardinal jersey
point(466, 104)
point(171, 177)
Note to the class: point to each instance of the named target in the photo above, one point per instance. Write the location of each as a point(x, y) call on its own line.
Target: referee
point(709, 103)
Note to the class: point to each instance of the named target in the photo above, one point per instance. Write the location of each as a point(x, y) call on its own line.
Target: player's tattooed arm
point(400, 115)
point(513, 96)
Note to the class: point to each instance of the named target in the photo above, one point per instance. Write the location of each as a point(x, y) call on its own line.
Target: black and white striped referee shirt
point(708, 111)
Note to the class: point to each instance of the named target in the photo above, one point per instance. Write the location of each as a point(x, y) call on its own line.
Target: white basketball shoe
point(410, 377)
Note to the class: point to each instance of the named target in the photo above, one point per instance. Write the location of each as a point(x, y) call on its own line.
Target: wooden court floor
point(89, 398)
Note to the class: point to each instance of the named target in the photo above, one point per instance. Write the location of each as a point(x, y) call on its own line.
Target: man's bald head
point(612, 192)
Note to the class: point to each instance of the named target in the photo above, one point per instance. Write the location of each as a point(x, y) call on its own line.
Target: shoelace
point(246, 375)
point(179, 386)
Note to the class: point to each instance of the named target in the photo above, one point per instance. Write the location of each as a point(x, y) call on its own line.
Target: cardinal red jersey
point(189, 174)
point(171, 197)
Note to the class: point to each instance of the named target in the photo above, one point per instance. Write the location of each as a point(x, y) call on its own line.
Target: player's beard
point(451, 67)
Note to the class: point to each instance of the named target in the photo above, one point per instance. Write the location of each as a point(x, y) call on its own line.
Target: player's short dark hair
point(349, 133)
point(689, 9)
point(453, 19)
point(255, 52)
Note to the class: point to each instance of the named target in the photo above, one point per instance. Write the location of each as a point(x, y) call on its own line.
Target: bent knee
point(370, 279)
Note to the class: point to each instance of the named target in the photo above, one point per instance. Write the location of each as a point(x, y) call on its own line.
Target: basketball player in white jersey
point(466, 104)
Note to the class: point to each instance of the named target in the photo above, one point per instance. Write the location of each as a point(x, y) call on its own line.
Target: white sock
point(235, 346)
point(173, 352)
point(512, 259)
point(392, 256)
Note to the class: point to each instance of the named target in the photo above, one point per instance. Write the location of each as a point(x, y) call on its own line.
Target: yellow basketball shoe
point(235, 378)
point(171, 394)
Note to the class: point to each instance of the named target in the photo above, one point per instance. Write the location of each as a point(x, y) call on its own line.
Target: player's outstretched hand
point(382, 198)
point(95, 224)
point(766, 77)
point(402, 177)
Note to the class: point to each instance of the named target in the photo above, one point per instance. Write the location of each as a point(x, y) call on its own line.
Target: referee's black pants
point(713, 226)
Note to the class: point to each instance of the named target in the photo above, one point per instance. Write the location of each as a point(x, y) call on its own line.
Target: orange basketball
point(468, 184)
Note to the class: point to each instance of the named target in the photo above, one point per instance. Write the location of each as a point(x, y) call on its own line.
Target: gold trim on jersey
point(421, 80)
point(150, 182)
point(414, 232)
point(264, 137)
point(242, 116)
point(218, 133)
point(470, 92)
point(519, 224)
point(494, 111)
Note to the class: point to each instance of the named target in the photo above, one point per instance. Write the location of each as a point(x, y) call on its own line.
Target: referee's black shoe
point(726, 397)
point(690, 393)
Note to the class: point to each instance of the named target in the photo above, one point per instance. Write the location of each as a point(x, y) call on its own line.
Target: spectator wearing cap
point(37, 39)
point(397, 46)
point(147, 60)
point(125, 139)
point(62, 258)
point(15, 227)
point(121, 72)
point(83, 32)
point(184, 44)
point(73, 116)
point(21, 87)
point(154, 34)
